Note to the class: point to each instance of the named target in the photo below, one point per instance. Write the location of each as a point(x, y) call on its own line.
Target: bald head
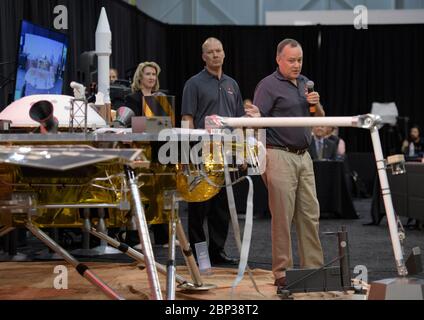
point(213, 55)
point(210, 41)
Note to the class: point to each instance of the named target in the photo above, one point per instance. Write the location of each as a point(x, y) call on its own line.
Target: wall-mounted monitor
point(41, 61)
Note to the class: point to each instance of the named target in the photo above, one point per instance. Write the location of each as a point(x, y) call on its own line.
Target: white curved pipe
point(216, 122)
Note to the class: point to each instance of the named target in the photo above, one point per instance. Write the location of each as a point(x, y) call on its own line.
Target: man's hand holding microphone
point(315, 108)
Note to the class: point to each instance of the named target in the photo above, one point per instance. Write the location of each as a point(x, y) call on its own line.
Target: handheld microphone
point(310, 87)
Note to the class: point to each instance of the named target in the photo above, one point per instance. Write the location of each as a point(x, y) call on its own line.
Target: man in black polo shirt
point(207, 93)
point(289, 174)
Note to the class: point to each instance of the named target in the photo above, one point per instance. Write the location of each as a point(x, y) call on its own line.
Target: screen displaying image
point(41, 61)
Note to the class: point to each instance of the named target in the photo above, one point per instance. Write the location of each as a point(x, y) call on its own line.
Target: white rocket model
point(103, 51)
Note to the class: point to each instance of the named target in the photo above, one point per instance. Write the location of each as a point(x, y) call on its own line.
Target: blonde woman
point(145, 83)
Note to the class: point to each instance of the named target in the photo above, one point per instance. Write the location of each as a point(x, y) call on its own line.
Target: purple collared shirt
point(276, 96)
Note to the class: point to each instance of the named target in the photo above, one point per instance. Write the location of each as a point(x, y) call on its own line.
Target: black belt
point(288, 149)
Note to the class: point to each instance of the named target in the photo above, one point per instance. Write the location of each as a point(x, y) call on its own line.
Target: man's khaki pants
point(292, 198)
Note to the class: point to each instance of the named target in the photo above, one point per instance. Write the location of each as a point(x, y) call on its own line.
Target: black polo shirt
point(204, 94)
point(276, 96)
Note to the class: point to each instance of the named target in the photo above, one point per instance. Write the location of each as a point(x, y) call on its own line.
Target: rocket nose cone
point(103, 24)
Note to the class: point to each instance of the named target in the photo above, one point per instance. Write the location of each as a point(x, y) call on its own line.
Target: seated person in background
point(322, 148)
point(333, 135)
point(113, 75)
point(116, 101)
point(414, 145)
point(145, 83)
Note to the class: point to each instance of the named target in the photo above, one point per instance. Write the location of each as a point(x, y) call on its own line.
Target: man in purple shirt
point(289, 174)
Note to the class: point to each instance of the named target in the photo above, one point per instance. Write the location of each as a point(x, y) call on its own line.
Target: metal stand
point(143, 233)
point(11, 246)
point(78, 115)
point(103, 249)
point(131, 231)
point(85, 251)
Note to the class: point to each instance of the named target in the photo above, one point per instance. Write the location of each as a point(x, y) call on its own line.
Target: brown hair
point(293, 43)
